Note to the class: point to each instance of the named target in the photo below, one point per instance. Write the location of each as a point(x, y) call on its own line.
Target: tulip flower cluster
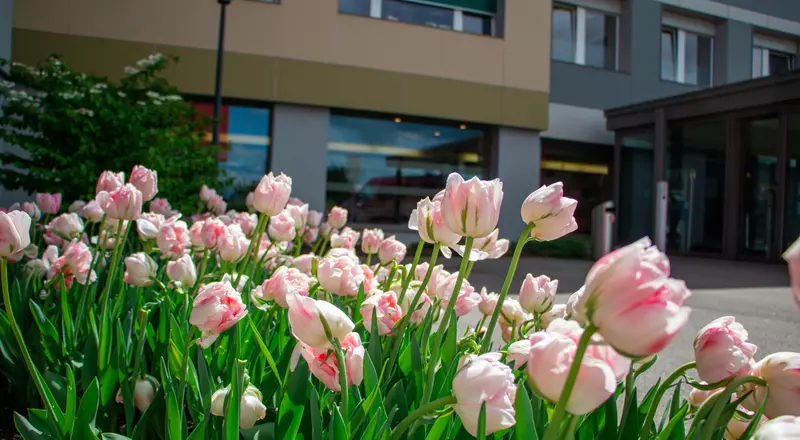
point(282, 322)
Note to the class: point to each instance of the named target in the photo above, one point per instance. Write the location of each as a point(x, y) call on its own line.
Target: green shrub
point(569, 246)
point(72, 126)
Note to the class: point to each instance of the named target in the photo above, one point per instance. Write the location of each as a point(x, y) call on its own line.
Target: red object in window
point(208, 110)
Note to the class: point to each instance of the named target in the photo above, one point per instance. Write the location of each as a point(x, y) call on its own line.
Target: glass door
point(761, 143)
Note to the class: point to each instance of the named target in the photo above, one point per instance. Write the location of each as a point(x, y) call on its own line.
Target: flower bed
point(275, 324)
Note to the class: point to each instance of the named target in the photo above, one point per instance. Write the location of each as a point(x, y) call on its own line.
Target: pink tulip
point(148, 225)
point(632, 302)
point(212, 232)
point(15, 235)
point(341, 275)
point(325, 230)
point(551, 356)
point(78, 258)
point(550, 211)
point(555, 312)
point(337, 218)
point(92, 212)
point(792, 257)
point(305, 319)
point(512, 313)
point(251, 409)
point(182, 271)
point(428, 221)
point(304, 263)
point(310, 235)
point(537, 294)
point(314, 219)
point(781, 371)
point(49, 203)
point(299, 214)
point(216, 308)
point(68, 226)
point(174, 239)
point(217, 205)
point(247, 221)
point(76, 206)
point(346, 238)
point(487, 247)
point(324, 365)
point(110, 181)
point(207, 193)
point(391, 250)
point(281, 227)
point(485, 381)
point(233, 246)
point(53, 239)
point(697, 397)
point(519, 352)
point(436, 285)
point(41, 266)
point(736, 426)
point(196, 235)
point(472, 207)
point(420, 310)
point(420, 271)
point(145, 181)
point(122, 204)
point(249, 200)
point(285, 281)
point(272, 193)
point(384, 306)
point(488, 302)
point(467, 299)
point(140, 269)
point(371, 240)
point(779, 428)
point(32, 210)
point(721, 350)
point(161, 206)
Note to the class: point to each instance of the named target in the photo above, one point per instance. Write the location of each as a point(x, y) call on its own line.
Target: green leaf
point(292, 404)
point(87, 412)
point(675, 427)
point(173, 414)
point(374, 343)
point(27, 430)
point(199, 431)
point(316, 417)
point(440, 428)
point(754, 424)
point(150, 416)
point(482, 422)
point(387, 424)
point(609, 430)
point(450, 350)
point(675, 404)
point(53, 348)
point(525, 427)
point(337, 429)
point(72, 400)
point(396, 400)
point(232, 402)
point(372, 428)
point(108, 436)
point(629, 426)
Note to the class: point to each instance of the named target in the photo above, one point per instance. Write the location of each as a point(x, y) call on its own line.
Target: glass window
point(601, 40)
point(396, 10)
point(636, 217)
point(563, 34)
point(791, 224)
point(696, 175)
point(357, 7)
point(668, 56)
point(761, 139)
point(379, 169)
point(477, 24)
point(779, 62)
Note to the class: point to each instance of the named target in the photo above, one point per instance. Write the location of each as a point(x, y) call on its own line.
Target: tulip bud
point(32, 210)
point(212, 232)
point(217, 205)
point(182, 271)
point(422, 307)
point(488, 247)
point(49, 203)
point(305, 319)
point(207, 193)
point(110, 182)
point(386, 309)
point(310, 235)
point(371, 240)
point(555, 312)
point(550, 211)
point(173, 239)
point(251, 409)
point(68, 226)
point(781, 371)
point(281, 227)
point(145, 181)
point(144, 391)
point(346, 239)
point(140, 269)
point(272, 193)
point(721, 350)
point(76, 206)
point(92, 212)
point(519, 352)
point(484, 381)
point(697, 397)
point(512, 313)
point(537, 294)
point(391, 250)
point(161, 206)
point(148, 225)
point(427, 220)
point(303, 263)
point(325, 366)
point(779, 428)
point(249, 200)
point(283, 282)
point(216, 308)
point(314, 219)
point(299, 214)
point(233, 245)
point(488, 302)
point(337, 217)
point(123, 204)
point(15, 233)
point(78, 258)
point(471, 208)
point(341, 274)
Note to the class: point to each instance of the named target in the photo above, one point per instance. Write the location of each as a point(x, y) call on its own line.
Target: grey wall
point(6, 17)
point(787, 9)
point(639, 75)
point(300, 149)
point(517, 161)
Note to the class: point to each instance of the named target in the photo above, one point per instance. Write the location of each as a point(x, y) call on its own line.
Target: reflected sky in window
point(248, 139)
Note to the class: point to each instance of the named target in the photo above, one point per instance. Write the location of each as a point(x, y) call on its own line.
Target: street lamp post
point(220, 56)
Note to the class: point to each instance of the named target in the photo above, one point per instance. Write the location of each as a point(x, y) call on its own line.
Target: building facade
point(615, 54)
point(366, 103)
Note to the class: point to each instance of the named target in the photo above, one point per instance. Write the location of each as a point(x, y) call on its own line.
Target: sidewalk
point(699, 273)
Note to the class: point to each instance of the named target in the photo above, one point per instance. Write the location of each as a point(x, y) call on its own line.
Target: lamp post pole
point(220, 56)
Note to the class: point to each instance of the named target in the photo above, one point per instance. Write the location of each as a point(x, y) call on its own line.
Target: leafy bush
point(72, 126)
point(570, 246)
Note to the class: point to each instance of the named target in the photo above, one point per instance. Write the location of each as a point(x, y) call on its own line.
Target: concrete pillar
point(640, 47)
point(517, 160)
point(300, 149)
point(733, 52)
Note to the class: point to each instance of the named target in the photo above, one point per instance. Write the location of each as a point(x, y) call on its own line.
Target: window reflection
point(396, 10)
point(635, 217)
point(477, 24)
point(379, 169)
point(668, 55)
point(356, 7)
point(563, 35)
point(601, 40)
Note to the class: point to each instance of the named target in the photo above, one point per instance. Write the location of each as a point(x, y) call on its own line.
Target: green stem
point(563, 399)
point(388, 282)
point(323, 245)
point(187, 345)
point(201, 273)
point(421, 411)
point(570, 431)
point(469, 269)
point(37, 377)
point(66, 316)
point(369, 259)
point(263, 347)
point(523, 238)
point(440, 332)
point(723, 401)
point(648, 421)
point(140, 343)
point(343, 380)
point(410, 275)
point(255, 244)
point(298, 243)
point(114, 261)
